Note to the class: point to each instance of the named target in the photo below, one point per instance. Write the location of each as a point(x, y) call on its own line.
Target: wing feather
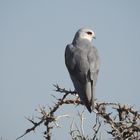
point(94, 63)
point(82, 64)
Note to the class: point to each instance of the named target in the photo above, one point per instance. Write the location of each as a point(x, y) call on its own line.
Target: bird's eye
point(89, 33)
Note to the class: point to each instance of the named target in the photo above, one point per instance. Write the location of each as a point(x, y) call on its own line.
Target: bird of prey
point(82, 62)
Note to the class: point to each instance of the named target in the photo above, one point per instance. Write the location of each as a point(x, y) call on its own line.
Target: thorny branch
point(124, 124)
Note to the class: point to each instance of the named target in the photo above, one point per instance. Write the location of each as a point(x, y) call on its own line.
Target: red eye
point(89, 33)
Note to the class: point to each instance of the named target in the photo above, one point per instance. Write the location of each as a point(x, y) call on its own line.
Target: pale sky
point(33, 36)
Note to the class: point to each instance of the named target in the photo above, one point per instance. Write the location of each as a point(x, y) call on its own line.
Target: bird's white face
point(86, 34)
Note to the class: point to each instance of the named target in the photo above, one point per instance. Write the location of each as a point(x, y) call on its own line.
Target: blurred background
point(33, 37)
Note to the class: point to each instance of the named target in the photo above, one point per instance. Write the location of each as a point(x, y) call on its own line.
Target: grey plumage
point(82, 62)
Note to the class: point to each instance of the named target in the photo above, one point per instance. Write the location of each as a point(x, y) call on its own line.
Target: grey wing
point(78, 66)
point(69, 61)
point(94, 63)
point(73, 64)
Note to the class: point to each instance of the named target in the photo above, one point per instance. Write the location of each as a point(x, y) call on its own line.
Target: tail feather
point(86, 93)
point(93, 98)
point(88, 96)
point(88, 106)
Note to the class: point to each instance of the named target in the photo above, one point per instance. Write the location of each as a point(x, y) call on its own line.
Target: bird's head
point(85, 33)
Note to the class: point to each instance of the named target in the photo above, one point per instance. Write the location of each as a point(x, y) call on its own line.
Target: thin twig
point(125, 124)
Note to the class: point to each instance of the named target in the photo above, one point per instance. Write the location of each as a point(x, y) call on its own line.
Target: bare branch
point(124, 124)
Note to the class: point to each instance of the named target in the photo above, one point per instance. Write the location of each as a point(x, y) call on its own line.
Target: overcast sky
point(33, 36)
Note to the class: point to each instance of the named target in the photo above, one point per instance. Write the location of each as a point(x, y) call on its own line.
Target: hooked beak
point(94, 37)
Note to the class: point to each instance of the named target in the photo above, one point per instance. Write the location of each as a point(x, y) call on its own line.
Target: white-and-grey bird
point(82, 62)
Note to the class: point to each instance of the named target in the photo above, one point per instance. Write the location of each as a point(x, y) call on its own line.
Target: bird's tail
point(92, 97)
point(89, 99)
point(88, 107)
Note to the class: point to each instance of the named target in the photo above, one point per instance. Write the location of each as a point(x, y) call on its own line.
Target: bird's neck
point(81, 42)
